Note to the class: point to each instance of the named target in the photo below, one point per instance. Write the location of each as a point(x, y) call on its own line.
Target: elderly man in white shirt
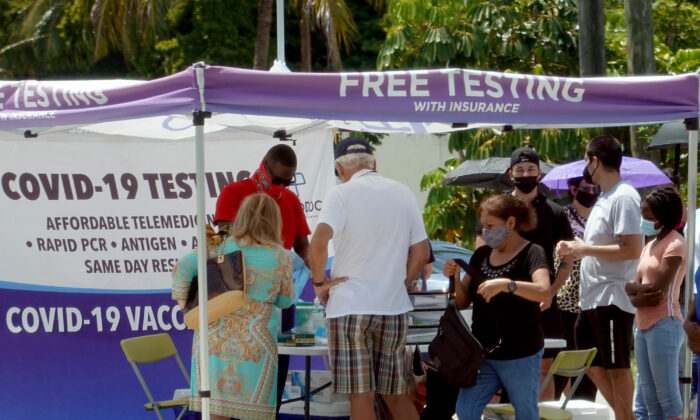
point(380, 247)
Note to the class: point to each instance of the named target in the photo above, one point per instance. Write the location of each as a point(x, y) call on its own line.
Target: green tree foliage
point(528, 36)
point(334, 21)
point(147, 38)
point(150, 38)
point(58, 37)
point(450, 211)
point(507, 35)
point(676, 35)
point(349, 30)
point(218, 32)
point(365, 49)
point(44, 37)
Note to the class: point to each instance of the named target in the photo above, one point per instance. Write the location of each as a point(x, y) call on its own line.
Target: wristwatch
point(512, 287)
point(320, 283)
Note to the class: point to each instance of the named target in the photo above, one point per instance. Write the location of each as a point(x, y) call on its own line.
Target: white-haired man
point(380, 246)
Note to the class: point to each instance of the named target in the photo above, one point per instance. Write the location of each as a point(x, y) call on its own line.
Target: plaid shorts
point(367, 353)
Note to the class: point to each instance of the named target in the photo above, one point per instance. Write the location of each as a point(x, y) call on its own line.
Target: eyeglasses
point(276, 180)
point(284, 182)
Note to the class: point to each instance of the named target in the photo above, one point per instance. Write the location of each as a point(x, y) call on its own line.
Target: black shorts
point(608, 328)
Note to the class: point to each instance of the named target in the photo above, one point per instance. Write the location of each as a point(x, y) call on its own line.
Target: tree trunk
point(333, 48)
point(672, 28)
point(262, 36)
point(591, 41)
point(640, 51)
point(305, 35)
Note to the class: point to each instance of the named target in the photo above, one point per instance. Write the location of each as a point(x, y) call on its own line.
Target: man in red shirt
point(275, 174)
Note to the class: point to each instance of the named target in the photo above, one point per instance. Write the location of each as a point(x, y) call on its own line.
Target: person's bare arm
point(301, 247)
point(652, 293)
point(629, 248)
point(536, 291)
point(318, 256)
point(462, 298)
point(418, 256)
point(668, 269)
point(563, 273)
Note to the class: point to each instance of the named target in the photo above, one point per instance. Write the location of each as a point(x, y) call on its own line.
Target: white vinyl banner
point(94, 212)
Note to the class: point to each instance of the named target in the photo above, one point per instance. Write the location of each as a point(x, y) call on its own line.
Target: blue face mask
point(648, 228)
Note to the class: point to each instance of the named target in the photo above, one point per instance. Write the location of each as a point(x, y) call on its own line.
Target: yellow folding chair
point(150, 349)
point(569, 363)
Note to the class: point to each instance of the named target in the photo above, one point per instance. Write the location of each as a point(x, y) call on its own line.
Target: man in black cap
point(552, 226)
point(380, 247)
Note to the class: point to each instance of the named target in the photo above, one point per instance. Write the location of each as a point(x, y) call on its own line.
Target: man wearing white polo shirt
point(380, 246)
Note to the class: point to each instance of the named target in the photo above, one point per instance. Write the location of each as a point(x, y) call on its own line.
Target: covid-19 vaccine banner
point(92, 226)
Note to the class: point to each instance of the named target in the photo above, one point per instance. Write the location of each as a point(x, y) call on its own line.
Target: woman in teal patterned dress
point(242, 344)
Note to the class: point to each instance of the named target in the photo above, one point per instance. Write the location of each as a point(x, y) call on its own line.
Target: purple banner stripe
point(31, 103)
point(444, 95)
point(453, 95)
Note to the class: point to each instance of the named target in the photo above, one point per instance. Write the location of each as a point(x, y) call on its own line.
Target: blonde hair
point(258, 222)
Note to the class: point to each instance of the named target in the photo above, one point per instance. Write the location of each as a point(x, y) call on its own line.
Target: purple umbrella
point(639, 172)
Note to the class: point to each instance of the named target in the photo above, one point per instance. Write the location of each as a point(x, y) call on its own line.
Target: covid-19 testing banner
point(92, 226)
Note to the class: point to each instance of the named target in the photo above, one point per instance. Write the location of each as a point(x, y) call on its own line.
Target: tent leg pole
point(690, 257)
point(202, 253)
point(202, 274)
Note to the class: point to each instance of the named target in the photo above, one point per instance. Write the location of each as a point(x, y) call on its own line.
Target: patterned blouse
point(568, 294)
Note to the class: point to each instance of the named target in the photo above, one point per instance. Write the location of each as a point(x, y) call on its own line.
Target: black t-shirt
point(515, 319)
point(552, 227)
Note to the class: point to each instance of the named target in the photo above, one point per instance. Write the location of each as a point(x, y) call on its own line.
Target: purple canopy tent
point(417, 96)
point(446, 95)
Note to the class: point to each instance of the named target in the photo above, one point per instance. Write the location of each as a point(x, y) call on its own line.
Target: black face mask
point(587, 176)
point(526, 183)
point(585, 198)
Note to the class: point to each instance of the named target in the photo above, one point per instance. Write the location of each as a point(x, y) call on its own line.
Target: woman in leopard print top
point(584, 197)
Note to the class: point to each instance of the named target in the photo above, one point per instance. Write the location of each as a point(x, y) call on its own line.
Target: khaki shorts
point(367, 353)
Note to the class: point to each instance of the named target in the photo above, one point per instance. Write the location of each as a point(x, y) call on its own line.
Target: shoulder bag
point(456, 353)
point(226, 287)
